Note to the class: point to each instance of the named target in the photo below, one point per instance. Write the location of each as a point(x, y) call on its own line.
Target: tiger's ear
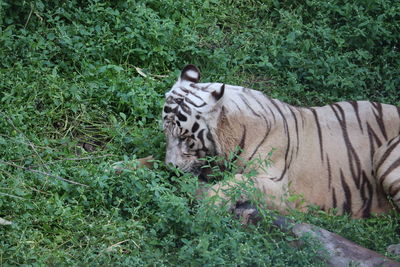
point(217, 94)
point(190, 73)
point(214, 99)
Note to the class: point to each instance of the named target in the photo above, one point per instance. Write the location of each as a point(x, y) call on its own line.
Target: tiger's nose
point(170, 161)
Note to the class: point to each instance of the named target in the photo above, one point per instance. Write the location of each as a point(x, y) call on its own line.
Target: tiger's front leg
point(236, 191)
point(228, 192)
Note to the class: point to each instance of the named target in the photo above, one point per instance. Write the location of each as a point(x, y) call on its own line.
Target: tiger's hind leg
point(387, 172)
point(387, 169)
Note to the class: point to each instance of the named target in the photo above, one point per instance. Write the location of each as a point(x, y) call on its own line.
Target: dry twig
point(111, 248)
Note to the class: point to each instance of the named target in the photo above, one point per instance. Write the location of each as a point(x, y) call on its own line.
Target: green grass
point(72, 102)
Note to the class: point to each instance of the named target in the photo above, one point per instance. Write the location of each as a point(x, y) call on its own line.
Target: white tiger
point(344, 156)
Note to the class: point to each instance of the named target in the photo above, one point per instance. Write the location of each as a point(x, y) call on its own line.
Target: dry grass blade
point(43, 173)
point(140, 71)
point(4, 222)
point(76, 159)
point(9, 120)
point(9, 195)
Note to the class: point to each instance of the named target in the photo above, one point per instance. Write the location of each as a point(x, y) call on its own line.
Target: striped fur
point(344, 156)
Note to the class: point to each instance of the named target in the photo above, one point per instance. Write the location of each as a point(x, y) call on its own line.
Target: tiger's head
point(190, 115)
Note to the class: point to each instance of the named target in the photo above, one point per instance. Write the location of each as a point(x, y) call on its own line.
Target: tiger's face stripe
point(345, 155)
point(195, 127)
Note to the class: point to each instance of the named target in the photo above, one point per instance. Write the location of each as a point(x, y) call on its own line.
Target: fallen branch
point(43, 173)
point(340, 251)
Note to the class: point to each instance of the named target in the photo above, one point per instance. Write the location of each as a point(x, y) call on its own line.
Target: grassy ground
point(82, 84)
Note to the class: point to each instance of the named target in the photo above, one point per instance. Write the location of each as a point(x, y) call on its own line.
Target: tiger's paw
point(246, 213)
point(394, 249)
